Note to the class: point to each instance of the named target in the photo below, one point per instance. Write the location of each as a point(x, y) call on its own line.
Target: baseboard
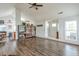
point(64, 41)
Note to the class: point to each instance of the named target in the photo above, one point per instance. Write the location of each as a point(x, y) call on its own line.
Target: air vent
point(60, 13)
point(39, 25)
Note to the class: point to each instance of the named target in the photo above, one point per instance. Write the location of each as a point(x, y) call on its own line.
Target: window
point(71, 30)
point(54, 25)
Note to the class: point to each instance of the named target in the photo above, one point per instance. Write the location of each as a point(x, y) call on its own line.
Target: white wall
point(40, 31)
point(53, 30)
point(24, 18)
point(7, 23)
point(61, 22)
point(47, 30)
point(62, 25)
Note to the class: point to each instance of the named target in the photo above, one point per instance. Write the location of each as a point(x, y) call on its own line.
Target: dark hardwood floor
point(37, 47)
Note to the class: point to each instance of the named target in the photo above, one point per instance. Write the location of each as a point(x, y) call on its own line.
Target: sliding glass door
point(71, 30)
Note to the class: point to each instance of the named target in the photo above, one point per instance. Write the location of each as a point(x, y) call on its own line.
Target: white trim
point(60, 40)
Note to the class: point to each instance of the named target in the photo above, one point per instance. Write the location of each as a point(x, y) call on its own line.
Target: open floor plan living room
point(39, 29)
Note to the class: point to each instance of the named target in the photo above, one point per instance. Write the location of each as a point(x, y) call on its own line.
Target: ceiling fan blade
point(34, 4)
point(39, 5)
point(30, 6)
point(30, 3)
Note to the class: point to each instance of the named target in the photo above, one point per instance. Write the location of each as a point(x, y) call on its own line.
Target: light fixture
point(22, 19)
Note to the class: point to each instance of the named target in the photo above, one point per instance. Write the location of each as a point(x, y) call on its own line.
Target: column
point(17, 20)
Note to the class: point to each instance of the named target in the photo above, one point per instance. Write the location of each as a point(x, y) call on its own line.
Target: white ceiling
point(6, 9)
point(47, 12)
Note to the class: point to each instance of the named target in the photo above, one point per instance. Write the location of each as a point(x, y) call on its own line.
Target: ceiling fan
point(35, 5)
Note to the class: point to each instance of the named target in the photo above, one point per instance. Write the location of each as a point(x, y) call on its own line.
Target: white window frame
point(70, 30)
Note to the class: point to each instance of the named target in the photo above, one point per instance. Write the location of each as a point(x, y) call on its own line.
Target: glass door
point(71, 30)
